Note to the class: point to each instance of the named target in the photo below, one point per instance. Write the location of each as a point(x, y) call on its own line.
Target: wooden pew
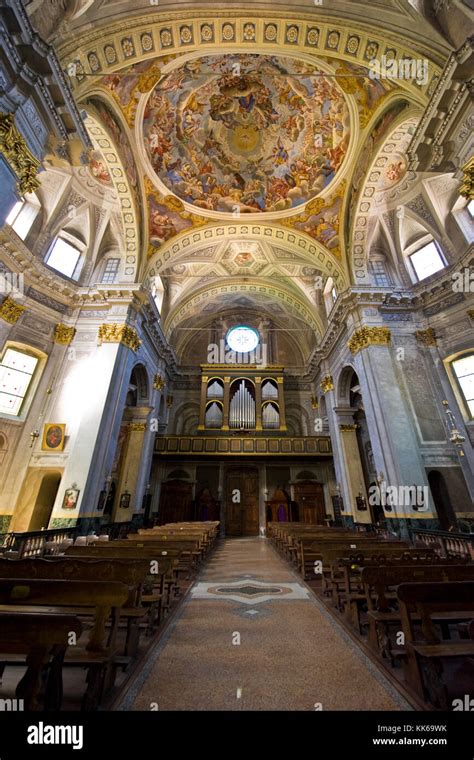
point(162, 571)
point(426, 651)
point(133, 573)
point(43, 640)
point(98, 653)
point(380, 584)
point(315, 551)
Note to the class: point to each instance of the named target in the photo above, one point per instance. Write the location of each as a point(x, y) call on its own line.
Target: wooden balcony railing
point(446, 543)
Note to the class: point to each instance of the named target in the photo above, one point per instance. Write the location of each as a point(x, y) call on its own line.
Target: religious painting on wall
point(71, 496)
point(125, 500)
point(53, 436)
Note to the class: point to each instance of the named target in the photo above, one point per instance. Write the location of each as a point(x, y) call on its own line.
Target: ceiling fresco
point(256, 133)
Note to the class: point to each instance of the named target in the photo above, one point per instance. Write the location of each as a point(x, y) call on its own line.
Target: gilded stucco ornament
point(369, 336)
point(115, 333)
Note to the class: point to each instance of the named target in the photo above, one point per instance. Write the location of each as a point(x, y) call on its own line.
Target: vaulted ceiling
point(244, 151)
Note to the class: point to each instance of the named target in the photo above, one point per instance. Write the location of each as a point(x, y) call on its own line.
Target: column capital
point(124, 334)
point(137, 427)
point(63, 334)
point(365, 336)
point(11, 311)
point(158, 382)
point(18, 155)
point(327, 384)
point(426, 337)
point(348, 428)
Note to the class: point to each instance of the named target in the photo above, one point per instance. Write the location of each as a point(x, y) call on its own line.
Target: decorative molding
point(426, 337)
point(467, 186)
point(18, 155)
point(369, 336)
point(64, 334)
point(115, 333)
point(348, 428)
point(255, 445)
point(137, 427)
point(158, 382)
point(327, 384)
point(10, 311)
point(169, 402)
point(314, 402)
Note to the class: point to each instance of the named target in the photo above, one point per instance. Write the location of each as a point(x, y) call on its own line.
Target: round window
point(242, 338)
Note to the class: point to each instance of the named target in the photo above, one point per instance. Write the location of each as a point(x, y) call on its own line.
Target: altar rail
point(243, 445)
point(446, 543)
point(40, 543)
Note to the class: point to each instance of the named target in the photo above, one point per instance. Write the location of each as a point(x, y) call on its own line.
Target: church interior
point(237, 355)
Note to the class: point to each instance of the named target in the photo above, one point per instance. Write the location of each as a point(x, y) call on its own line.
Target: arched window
point(18, 371)
point(463, 369)
point(23, 214)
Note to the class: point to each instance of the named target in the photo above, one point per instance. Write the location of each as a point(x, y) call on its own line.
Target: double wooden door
point(242, 501)
point(310, 499)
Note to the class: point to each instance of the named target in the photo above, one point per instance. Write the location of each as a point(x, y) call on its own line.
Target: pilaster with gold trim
point(202, 409)
point(281, 402)
point(119, 333)
point(225, 421)
point(258, 403)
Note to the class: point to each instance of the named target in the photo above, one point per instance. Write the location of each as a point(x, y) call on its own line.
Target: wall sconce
point(454, 435)
point(33, 436)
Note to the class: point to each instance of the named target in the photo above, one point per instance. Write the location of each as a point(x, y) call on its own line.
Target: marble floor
point(251, 636)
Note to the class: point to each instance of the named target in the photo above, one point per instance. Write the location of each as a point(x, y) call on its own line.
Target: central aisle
point(291, 655)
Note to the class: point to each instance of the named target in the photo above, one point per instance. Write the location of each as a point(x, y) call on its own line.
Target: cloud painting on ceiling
point(256, 133)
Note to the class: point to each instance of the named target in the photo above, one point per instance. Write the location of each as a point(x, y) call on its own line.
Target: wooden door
point(175, 501)
point(242, 502)
point(310, 499)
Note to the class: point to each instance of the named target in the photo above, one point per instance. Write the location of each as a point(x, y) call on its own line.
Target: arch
point(44, 503)
point(343, 385)
point(140, 378)
point(442, 502)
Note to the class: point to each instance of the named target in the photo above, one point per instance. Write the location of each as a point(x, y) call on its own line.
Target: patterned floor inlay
point(249, 592)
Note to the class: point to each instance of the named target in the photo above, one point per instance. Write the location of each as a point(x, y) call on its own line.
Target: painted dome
point(254, 133)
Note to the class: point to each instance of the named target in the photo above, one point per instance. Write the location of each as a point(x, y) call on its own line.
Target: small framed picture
point(71, 496)
point(125, 500)
point(53, 436)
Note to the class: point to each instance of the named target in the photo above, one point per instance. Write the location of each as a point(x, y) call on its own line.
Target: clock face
point(242, 338)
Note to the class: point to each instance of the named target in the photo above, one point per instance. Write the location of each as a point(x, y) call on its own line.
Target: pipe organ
point(242, 407)
point(241, 397)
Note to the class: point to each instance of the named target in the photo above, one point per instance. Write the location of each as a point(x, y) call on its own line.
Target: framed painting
point(53, 436)
point(71, 496)
point(125, 500)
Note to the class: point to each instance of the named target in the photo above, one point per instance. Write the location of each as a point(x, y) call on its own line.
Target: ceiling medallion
point(246, 133)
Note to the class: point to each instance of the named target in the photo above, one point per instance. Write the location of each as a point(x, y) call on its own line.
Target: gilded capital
point(64, 334)
point(169, 402)
point(347, 428)
point(11, 311)
point(467, 186)
point(327, 384)
point(137, 427)
point(426, 337)
point(18, 155)
point(115, 333)
point(314, 402)
point(158, 382)
point(369, 336)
